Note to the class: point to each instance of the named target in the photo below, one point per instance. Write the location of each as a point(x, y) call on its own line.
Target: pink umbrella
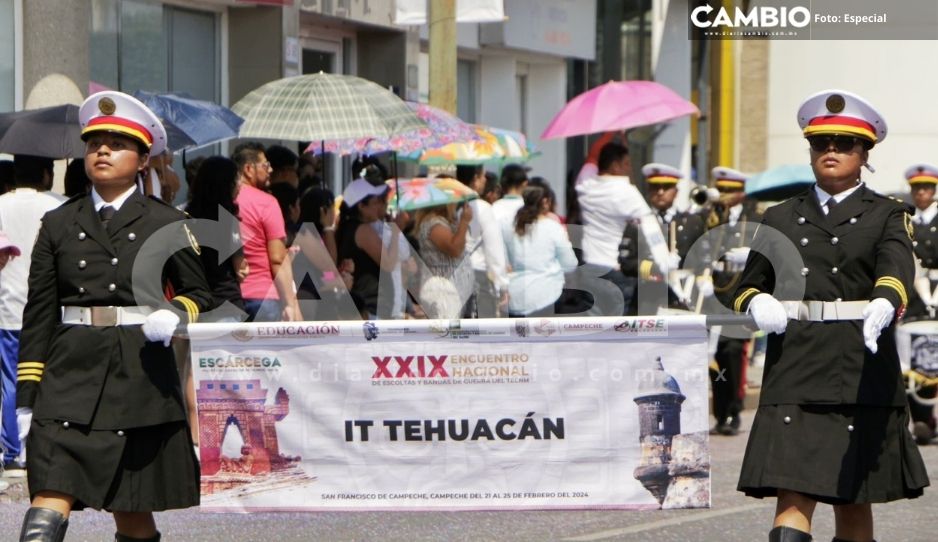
point(618, 105)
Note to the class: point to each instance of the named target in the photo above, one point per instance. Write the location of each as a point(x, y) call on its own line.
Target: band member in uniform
point(737, 218)
point(681, 230)
point(97, 381)
point(832, 424)
point(922, 179)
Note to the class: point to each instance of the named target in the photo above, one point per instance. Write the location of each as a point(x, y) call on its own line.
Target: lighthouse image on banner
point(674, 467)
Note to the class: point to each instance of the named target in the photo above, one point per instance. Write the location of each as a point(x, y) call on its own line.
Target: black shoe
point(788, 534)
point(735, 422)
point(124, 538)
point(43, 525)
point(14, 469)
point(728, 431)
point(717, 429)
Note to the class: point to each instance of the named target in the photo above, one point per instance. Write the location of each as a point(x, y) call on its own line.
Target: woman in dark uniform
point(97, 383)
point(832, 424)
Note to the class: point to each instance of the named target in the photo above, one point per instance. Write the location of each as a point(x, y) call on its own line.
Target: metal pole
point(441, 15)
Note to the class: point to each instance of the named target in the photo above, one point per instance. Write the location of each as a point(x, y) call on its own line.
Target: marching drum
point(917, 344)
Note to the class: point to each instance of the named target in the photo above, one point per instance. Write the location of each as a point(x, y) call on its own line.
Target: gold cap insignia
point(107, 106)
point(835, 103)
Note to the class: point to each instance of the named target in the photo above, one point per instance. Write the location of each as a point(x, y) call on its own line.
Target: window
point(250, 386)
point(466, 90)
point(235, 386)
point(210, 386)
point(223, 386)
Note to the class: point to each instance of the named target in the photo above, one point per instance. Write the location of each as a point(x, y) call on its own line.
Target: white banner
point(464, 415)
point(414, 12)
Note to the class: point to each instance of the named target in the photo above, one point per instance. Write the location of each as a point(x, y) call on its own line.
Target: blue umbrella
point(189, 122)
point(780, 183)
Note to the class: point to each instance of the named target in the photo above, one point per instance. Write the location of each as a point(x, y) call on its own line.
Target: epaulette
point(159, 200)
point(907, 207)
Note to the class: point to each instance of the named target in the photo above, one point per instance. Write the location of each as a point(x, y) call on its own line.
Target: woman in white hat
point(97, 387)
point(828, 278)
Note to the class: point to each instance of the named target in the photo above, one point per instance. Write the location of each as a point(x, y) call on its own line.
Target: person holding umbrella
point(832, 422)
point(97, 387)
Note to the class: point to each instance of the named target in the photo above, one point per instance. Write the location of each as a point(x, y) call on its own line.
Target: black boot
point(124, 538)
point(43, 525)
point(787, 534)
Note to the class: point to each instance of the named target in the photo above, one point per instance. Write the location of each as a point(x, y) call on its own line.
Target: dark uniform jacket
point(725, 275)
point(860, 251)
point(106, 377)
point(636, 261)
point(926, 250)
point(635, 257)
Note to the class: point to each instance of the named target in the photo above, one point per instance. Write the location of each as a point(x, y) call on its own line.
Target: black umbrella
point(52, 132)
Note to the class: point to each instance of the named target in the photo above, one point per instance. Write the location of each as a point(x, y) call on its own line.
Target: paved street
point(732, 518)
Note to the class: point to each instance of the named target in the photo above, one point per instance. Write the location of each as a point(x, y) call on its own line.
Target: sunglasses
point(842, 144)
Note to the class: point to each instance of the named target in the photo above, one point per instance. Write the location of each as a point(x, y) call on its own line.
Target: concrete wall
point(498, 91)
point(255, 41)
point(547, 94)
point(55, 52)
point(897, 77)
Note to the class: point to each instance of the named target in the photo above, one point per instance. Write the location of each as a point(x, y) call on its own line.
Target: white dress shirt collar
point(118, 201)
point(823, 196)
point(926, 215)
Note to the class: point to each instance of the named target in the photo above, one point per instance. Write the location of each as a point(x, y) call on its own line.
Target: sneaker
point(922, 432)
point(14, 469)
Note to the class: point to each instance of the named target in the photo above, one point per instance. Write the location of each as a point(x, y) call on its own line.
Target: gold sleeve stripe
point(37, 372)
point(29, 378)
point(31, 365)
point(895, 284)
point(747, 293)
point(644, 269)
point(190, 306)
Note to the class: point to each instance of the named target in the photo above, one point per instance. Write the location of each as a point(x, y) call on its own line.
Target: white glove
point(674, 261)
point(769, 313)
point(737, 256)
point(160, 326)
point(24, 417)
point(705, 285)
point(876, 316)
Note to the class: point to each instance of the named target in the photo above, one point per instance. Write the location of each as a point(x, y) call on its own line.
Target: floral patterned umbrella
point(495, 146)
point(421, 192)
point(443, 128)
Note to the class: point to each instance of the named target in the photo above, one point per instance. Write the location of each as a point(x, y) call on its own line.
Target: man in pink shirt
point(268, 288)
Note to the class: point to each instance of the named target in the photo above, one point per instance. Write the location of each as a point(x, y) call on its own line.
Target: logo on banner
point(545, 328)
point(522, 328)
point(370, 329)
point(643, 326)
point(241, 334)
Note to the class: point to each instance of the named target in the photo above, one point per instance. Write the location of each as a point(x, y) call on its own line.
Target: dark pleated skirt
point(146, 469)
point(837, 454)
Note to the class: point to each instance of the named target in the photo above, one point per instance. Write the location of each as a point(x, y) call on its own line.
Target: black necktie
point(106, 213)
point(831, 203)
